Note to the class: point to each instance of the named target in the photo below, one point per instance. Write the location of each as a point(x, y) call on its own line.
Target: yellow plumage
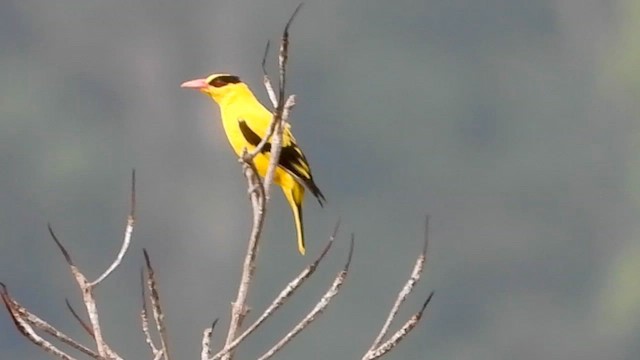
point(246, 122)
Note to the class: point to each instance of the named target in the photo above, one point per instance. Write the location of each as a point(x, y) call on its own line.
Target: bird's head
point(217, 86)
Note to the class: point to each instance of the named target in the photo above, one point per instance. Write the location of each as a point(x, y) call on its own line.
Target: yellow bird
point(246, 122)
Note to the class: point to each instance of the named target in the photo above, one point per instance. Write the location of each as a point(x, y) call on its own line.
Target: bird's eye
point(220, 81)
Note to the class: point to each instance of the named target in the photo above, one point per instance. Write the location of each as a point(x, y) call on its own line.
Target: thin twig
point(316, 311)
point(158, 314)
point(127, 235)
point(285, 294)
point(84, 325)
point(406, 290)
point(64, 251)
point(87, 297)
point(144, 317)
point(266, 80)
point(399, 335)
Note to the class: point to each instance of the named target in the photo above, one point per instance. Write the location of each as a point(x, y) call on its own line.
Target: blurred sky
point(513, 123)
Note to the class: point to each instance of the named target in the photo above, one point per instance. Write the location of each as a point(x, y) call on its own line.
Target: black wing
point(292, 160)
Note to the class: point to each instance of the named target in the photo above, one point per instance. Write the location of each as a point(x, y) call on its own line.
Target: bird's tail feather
point(294, 198)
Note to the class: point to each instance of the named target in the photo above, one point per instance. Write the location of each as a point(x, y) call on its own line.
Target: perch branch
point(259, 198)
point(239, 308)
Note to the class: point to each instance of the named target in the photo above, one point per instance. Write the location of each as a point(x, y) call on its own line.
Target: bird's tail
point(294, 198)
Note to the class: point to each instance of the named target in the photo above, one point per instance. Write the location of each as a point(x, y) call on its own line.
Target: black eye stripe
point(220, 81)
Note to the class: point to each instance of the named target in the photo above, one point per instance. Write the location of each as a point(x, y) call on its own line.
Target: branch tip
point(351, 246)
point(323, 253)
point(424, 305)
point(264, 58)
point(426, 235)
point(335, 229)
point(133, 193)
point(285, 34)
point(146, 259)
point(64, 251)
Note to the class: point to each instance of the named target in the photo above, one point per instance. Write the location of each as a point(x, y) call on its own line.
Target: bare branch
point(406, 290)
point(26, 330)
point(127, 234)
point(239, 308)
point(158, 314)
point(285, 294)
point(92, 311)
point(399, 335)
point(24, 320)
point(317, 310)
point(158, 355)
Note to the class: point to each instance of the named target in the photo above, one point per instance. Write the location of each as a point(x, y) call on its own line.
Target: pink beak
point(198, 84)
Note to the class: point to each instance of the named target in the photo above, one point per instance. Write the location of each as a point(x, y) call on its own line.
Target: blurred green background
point(513, 123)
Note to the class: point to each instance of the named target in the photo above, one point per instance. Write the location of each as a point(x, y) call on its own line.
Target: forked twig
point(25, 321)
point(376, 349)
point(89, 301)
point(317, 310)
point(399, 335)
